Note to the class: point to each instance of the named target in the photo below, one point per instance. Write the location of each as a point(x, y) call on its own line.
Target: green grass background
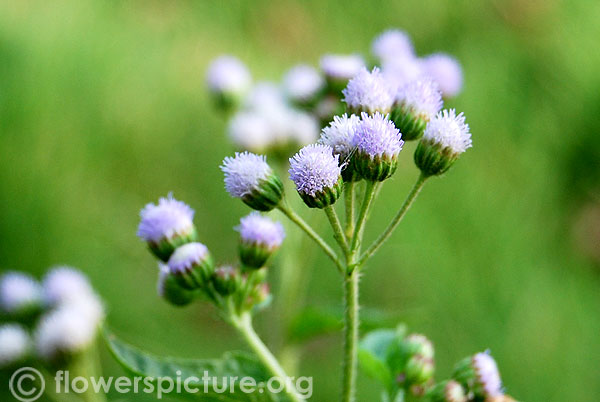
point(103, 108)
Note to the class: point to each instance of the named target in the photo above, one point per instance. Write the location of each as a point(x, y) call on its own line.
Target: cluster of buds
point(417, 355)
point(51, 322)
point(186, 267)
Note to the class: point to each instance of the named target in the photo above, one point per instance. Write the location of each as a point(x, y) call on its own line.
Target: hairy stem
point(338, 232)
point(287, 211)
point(350, 335)
point(243, 323)
point(349, 204)
point(397, 219)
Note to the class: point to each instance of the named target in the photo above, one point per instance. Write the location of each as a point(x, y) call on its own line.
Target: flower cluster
point(51, 321)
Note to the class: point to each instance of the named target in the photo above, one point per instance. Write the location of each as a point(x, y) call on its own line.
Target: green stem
point(338, 232)
point(362, 218)
point(392, 226)
point(287, 211)
point(350, 335)
point(243, 323)
point(349, 204)
point(87, 365)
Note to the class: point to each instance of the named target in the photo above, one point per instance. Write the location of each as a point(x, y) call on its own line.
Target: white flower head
point(227, 74)
point(449, 130)
point(400, 71)
point(14, 344)
point(422, 97)
point(446, 71)
point(369, 92)
point(339, 135)
point(19, 291)
point(302, 83)
point(244, 173)
point(487, 374)
point(314, 168)
point(64, 284)
point(250, 130)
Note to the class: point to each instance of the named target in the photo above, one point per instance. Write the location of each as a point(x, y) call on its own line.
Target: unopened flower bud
point(192, 265)
point(419, 344)
point(368, 92)
point(416, 104)
point(480, 375)
point(250, 178)
point(419, 369)
point(317, 175)
point(378, 143)
point(260, 237)
point(340, 135)
point(168, 288)
point(166, 226)
point(226, 280)
point(261, 294)
point(447, 391)
point(14, 344)
point(445, 138)
point(20, 294)
point(228, 80)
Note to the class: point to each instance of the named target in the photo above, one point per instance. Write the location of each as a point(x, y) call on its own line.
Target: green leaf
point(375, 351)
point(232, 365)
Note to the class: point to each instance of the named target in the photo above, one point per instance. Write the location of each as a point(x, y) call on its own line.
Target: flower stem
point(338, 232)
point(370, 191)
point(350, 335)
point(392, 226)
point(243, 323)
point(287, 211)
point(349, 204)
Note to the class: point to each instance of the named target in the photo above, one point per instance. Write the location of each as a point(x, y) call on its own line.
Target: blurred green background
point(103, 108)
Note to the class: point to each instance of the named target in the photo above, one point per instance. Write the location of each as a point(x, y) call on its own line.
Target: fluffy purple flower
point(19, 291)
point(188, 256)
point(377, 136)
point(339, 135)
point(64, 284)
point(260, 230)
point(341, 67)
point(301, 83)
point(166, 220)
point(227, 74)
point(392, 44)
point(446, 71)
point(450, 131)
point(244, 173)
point(368, 91)
point(400, 71)
point(314, 168)
point(487, 374)
point(422, 97)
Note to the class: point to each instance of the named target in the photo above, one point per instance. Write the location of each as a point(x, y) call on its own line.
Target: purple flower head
point(167, 219)
point(227, 74)
point(449, 130)
point(314, 168)
point(186, 256)
point(377, 136)
point(302, 82)
point(341, 67)
point(339, 135)
point(368, 91)
point(487, 374)
point(260, 230)
point(422, 97)
point(446, 71)
point(244, 173)
point(17, 291)
point(64, 284)
point(392, 44)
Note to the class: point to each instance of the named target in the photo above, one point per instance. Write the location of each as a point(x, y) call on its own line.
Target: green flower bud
point(416, 103)
point(419, 369)
point(226, 280)
point(169, 289)
point(447, 391)
point(419, 344)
